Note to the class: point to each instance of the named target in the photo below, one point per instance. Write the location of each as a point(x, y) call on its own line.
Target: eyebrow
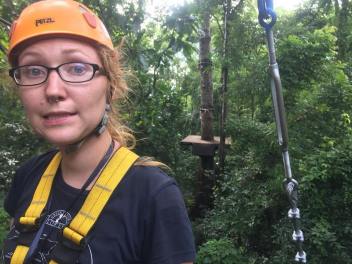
point(73, 51)
point(37, 54)
point(30, 53)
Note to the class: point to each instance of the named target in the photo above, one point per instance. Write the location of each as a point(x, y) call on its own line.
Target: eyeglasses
point(72, 72)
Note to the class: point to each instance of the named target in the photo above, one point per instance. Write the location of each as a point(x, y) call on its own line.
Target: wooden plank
point(196, 139)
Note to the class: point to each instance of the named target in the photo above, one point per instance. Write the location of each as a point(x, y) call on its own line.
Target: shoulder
point(37, 161)
point(32, 167)
point(147, 185)
point(150, 178)
point(156, 190)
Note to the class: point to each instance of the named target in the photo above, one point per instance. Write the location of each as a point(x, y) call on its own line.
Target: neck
point(77, 166)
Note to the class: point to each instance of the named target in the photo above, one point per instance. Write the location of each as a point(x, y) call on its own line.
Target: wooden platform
point(203, 147)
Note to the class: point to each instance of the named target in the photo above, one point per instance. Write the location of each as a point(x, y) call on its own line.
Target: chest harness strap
point(73, 236)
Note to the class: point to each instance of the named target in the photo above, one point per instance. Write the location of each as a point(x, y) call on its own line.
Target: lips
point(57, 118)
point(57, 115)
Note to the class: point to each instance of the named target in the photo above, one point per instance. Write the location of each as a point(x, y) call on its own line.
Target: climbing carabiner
point(267, 16)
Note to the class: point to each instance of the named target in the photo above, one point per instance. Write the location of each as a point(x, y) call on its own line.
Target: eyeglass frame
point(96, 68)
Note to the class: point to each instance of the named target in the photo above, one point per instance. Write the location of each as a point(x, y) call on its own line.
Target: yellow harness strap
point(99, 195)
point(41, 194)
point(35, 209)
point(19, 255)
point(95, 202)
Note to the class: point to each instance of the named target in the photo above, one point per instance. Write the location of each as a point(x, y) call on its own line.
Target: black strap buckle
point(26, 232)
point(66, 251)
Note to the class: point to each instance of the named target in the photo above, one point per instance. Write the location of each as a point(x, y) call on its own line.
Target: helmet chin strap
point(98, 130)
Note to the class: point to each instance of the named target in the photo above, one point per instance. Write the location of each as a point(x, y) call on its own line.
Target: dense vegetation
point(247, 222)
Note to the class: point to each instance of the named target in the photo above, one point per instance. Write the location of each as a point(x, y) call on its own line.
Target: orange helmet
point(57, 18)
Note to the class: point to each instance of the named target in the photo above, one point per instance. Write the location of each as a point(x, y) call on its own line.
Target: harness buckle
point(24, 228)
point(28, 231)
point(29, 224)
point(67, 251)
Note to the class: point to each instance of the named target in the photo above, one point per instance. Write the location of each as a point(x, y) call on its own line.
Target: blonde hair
point(118, 91)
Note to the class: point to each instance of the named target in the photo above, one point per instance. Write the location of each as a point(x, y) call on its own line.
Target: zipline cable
point(267, 19)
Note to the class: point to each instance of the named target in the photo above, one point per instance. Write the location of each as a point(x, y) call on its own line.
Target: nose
point(55, 89)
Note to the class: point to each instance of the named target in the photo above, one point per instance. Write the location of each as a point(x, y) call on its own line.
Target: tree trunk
point(343, 30)
point(206, 84)
point(205, 176)
point(224, 81)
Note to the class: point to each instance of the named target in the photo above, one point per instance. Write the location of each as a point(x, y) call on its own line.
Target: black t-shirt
point(145, 220)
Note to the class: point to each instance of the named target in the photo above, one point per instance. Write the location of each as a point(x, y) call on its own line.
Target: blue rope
point(267, 16)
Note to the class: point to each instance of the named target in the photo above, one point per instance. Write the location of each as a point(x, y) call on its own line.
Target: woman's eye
point(33, 72)
point(77, 69)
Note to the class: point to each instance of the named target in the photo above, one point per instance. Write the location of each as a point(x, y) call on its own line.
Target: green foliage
point(326, 194)
point(248, 200)
point(10, 10)
point(250, 208)
point(313, 48)
point(327, 103)
point(4, 225)
point(17, 141)
point(4, 221)
point(220, 251)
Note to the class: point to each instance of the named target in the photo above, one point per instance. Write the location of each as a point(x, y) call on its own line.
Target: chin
point(62, 143)
point(61, 140)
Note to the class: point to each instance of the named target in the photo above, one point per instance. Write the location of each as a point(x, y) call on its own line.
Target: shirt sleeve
point(169, 233)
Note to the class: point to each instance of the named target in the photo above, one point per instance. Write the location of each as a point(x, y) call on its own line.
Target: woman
point(91, 200)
